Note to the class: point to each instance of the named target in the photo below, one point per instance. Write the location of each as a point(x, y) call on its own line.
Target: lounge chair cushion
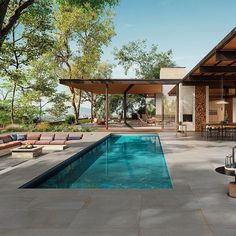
point(47, 137)
point(61, 137)
point(33, 137)
point(3, 146)
point(58, 142)
point(43, 142)
point(21, 137)
point(10, 145)
point(15, 143)
point(6, 138)
point(75, 137)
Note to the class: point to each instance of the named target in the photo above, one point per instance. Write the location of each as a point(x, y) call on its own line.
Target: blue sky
point(190, 28)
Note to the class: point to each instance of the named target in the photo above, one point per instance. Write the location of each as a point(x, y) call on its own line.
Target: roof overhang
point(219, 64)
point(119, 86)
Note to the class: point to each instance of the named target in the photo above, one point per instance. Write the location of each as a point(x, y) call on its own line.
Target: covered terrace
point(119, 86)
point(213, 82)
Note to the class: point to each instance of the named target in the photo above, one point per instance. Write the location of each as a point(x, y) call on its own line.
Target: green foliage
point(40, 49)
point(59, 108)
point(90, 30)
point(4, 112)
point(146, 63)
point(84, 121)
point(103, 71)
point(42, 127)
point(16, 128)
point(25, 111)
point(134, 102)
point(70, 119)
point(95, 4)
point(151, 110)
point(86, 129)
point(63, 128)
point(27, 41)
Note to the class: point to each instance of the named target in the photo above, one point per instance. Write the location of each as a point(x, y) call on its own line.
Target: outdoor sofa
point(50, 141)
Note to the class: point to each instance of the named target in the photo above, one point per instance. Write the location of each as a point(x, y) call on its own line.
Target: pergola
point(119, 86)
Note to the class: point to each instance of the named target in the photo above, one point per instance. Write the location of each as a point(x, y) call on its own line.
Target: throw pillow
point(14, 137)
point(21, 137)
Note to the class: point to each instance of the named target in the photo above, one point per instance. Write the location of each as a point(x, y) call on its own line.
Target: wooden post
point(125, 106)
point(163, 112)
point(177, 104)
point(107, 108)
point(92, 107)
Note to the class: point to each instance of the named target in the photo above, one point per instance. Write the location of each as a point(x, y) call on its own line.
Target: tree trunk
point(5, 29)
point(73, 102)
point(12, 104)
point(3, 10)
point(40, 110)
point(92, 117)
point(78, 105)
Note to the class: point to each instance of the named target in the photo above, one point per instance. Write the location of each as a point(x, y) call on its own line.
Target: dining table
point(223, 129)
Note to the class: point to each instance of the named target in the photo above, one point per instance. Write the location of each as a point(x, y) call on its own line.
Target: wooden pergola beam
point(217, 69)
point(212, 77)
point(225, 55)
point(121, 81)
point(210, 83)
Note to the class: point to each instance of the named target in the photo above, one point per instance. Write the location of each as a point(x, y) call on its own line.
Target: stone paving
point(197, 205)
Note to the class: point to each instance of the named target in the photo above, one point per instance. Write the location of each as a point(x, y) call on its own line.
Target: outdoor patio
point(197, 205)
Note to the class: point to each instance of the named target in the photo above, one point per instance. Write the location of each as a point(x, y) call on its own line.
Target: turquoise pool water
point(119, 162)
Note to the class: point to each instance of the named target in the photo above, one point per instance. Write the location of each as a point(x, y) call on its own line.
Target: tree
point(28, 40)
point(89, 31)
point(103, 71)
point(42, 82)
point(134, 102)
point(7, 21)
point(59, 107)
point(146, 63)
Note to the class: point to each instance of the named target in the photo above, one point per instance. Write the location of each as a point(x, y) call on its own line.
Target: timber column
point(200, 107)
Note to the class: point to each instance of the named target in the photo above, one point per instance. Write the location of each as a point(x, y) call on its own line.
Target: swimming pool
point(119, 162)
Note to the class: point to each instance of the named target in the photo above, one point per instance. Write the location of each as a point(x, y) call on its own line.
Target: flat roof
point(119, 86)
point(219, 64)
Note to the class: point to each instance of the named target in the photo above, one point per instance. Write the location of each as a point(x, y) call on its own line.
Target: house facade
point(207, 93)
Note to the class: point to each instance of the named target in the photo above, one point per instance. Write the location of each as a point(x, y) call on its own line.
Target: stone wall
point(200, 107)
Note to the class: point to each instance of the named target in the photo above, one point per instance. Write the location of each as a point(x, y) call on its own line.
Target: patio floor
point(198, 204)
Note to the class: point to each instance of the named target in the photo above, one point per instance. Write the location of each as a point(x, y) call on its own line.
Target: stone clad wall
point(200, 107)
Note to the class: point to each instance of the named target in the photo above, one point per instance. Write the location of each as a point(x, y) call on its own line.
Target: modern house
point(204, 95)
point(207, 93)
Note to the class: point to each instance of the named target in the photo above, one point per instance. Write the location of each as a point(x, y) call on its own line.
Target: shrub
point(64, 128)
point(70, 119)
point(86, 129)
point(42, 127)
point(16, 128)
